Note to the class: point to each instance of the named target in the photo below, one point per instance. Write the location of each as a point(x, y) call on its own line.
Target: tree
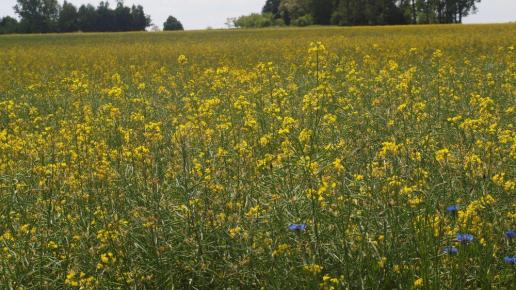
point(230, 22)
point(123, 18)
point(48, 16)
point(68, 16)
point(275, 7)
point(357, 15)
point(38, 15)
point(87, 18)
point(140, 21)
point(272, 6)
point(294, 9)
point(8, 25)
point(457, 9)
point(105, 18)
point(172, 24)
point(256, 20)
point(322, 10)
point(385, 12)
point(341, 14)
point(302, 21)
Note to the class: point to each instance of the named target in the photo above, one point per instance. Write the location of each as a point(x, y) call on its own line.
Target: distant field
point(317, 158)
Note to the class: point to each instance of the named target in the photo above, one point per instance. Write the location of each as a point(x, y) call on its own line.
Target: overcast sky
point(199, 14)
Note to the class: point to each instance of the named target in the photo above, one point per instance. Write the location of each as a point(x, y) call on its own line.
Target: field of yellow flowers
point(317, 158)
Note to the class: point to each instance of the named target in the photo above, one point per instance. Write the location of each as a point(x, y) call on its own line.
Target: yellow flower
point(415, 201)
point(381, 262)
point(337, 164)
point(419, 283)
point(233, 232)
point(330, 119)
point(182, 59)
point(358, 177)
point(281, 249)
point(24, 229)
point(70, 279)
point(104, 258)
point(264, 140)
point(442, 155)
point(388, 147)
point(313, 268)
point(305, 135)
point(52, 245)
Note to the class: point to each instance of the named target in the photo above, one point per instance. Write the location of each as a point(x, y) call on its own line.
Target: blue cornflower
point(453, 208)
point(450, 250)
point(464, 238)
point(510, 260)
point(510, 234)
point(297, 227)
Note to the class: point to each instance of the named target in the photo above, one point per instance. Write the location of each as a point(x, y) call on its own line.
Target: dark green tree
point(140, 21)
point(68, 17)
point(455, 10)
point(123, 17)
point(172, 24)
point(341, 14)
point(322, 11)
point(387, 12)
point(8, 25)
point(87, 18)
point(272, 6)
point(291, 10)
point(42, 16)
point(105, 18)
point(38, 16)
point(377, 12)
point(256, 20)
point(466, 7)
point(358, 12)
point(277, 8)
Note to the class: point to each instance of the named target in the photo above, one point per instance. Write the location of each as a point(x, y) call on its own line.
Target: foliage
point(272, 6)
point(87, 18)
point(315, 158)
point(369, 12)
point(322, 10)
point(256, 20)
point(8, 25)
point(172, 24)
point(305, 20)
point(37, 15)
point(295, 8)
point(41, 16)
point(68, 16)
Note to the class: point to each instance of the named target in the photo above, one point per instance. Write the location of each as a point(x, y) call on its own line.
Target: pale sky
point(199, 14)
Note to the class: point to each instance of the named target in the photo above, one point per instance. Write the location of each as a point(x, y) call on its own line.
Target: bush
point(8, 25)
point(256, 20)
point(303, 20)
point(172, 24)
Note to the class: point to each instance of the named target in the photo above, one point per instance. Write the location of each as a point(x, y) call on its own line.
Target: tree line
point(43, 16)
point(358, 12)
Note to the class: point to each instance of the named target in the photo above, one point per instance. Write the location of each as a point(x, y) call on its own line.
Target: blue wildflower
point(510, 234)
point(450, 250)
point(297, 227)
point(464, 238)
point(510, 260)
point(453, 208)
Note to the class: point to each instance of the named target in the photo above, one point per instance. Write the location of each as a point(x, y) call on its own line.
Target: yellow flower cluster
point(283, 158)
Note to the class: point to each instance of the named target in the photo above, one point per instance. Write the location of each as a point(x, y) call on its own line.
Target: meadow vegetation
point(317, 158)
